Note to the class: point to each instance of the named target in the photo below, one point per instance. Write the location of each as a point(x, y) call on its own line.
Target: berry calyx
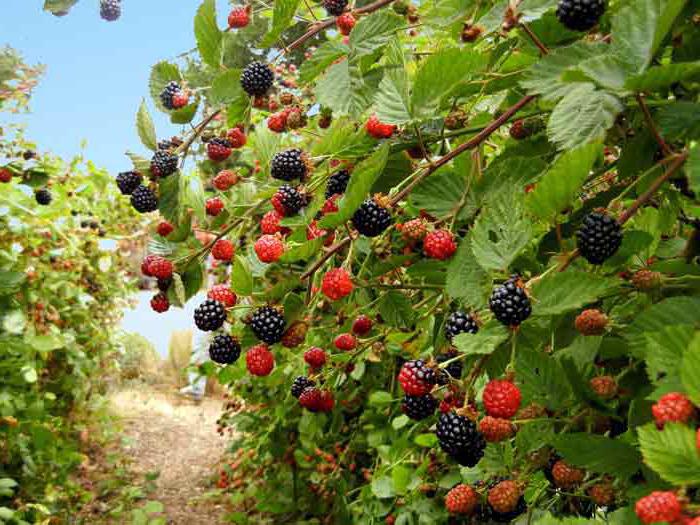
point(378, 129)
point(419, 407)
point(223, 294)
point(460, 322)
point(362, 325)
point(566, 476)
point(591, 322)
point(165, 228)
point(269, 248)
point(160, 303)
point(239, 17)
point(224, 349)
point(496, 429)
point(657, 507)
point(416, 378)
point(371, 218)
point(218, 150)
point(345, 23)
point(256, 79)
point(580, 15)
point(259, 360)
point(459, 438)
point(210, 315)
point(501, 398)
point(214, 206)
point(599, 237)
point(315, 357)
point(604, 386)
point(439, 244)
point(268, 324)
point(461, 499)
point(345, 342)
point(673, 407)
point(509, 303)
point(336, 284)
point(223, 250)
point(225, 180)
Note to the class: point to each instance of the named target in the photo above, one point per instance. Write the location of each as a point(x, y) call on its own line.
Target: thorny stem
point(543, 49)
point(652, 127)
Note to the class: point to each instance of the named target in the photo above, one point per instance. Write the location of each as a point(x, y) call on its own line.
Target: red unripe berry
point(146, 264)
point(604, 386)
point(223, 294)
point(5, 175)
point(315, 357)
point(270, 223)
point(362, 325)
point(345, 342)
point(566, 476)
point(495, 429)
point(259, 360)
point(314, 232)
point(223, 250)
point(390, 520)
point(239, 17)
point(214, 206)
point(327, 401)
point(181, 99)
point(345, 23)
point(501, 398)
point(379, 130)
point(225, 179)
point(277, 122)
point(160, 303)
point(591, 322)
point(461, 499)
point(311, 399)
point(269, 248)
point(160, 267)
point(504, 497)
point(331, 204)
point(218, 151)
point(673, 407)
point(416, 378)
point(658, 507)
point(237, 138)
point(336, 284)
point(165, 228)
point(439, 244)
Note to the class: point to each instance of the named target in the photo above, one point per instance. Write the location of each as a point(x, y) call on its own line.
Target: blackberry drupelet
point(43, 197)
point(509, 303)
point(580, 15)
point(599, 237)
point(171, 89)
point(454, 369)
point(257, 78)
point(337, 183)
point(419, 407)
point(224, 349)
point(288, 165)
point(144, 200)
point(110, 10)
point(460, 322)
point(460, 439)
point(291, 200)
point(335, 7)
point(300, 384)
point(268, 324)
point(128, 181)
point(210, 315)
point(371, 219)
point(163, 163)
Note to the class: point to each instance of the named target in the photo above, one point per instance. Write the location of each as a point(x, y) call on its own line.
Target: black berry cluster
point(300, 384)
point(144, 200)
point(460, 439)
point(288, 165)
point(224, 349)
point(257, 78)
point(290, 199)
point(419, 407)
point(580, 15)
point(210, 315)
point(599, 237)
point(43, 197)
point(110, 10)
point(268, 324)
point(371, 219)
point(337, 183)
point(509, 303)
point(171, 89)
point(335, 7)
point(163, 163)
point(128, 181)
point(459, 322)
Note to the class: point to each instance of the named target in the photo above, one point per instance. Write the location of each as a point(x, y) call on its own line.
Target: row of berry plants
point(456, 243)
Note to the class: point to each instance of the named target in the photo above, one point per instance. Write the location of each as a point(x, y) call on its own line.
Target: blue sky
point(97, 72)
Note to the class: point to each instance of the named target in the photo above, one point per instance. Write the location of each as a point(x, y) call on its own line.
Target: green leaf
point(373, 32)
point(692, 168)
point(59, 6)
point(500, 232)
point(241, 277)
point(679, 120)
point(193, 279)
point(380, 397)
point(301, 251)
point(179, 289)
point(145, 127)
point(161, 74)
point(282, 16)
point(324, 56)
point(541, 378)
point(11, 282)
point(345, 90)
point(400, 421)
point(396, 309)
point(598, 454)
point(141, 164)
point(669, 312)
point(46, 343)
point(658, 78)
point(207, 33)
point(401, 474)
point(391, 101)
point(441, 193)
point(265, 143)
point(690, 370)
point(664, 352)
point(448, 12)
point(362, 180)
point(604, 70)
point(426, 440)
point(29, 374)
point(671, 452)
point(383, 487)
point(558, 187)
point(438, 76)
point(534, 9)
point(583, 115)
point(169, 197)
point(465, 278)
point(557, 293)
point(184, 115)
point(226, 88)
point(484, 342)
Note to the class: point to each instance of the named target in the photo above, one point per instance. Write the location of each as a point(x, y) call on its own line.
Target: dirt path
point(178, 440)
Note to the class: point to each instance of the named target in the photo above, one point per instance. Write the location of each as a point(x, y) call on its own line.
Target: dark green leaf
point(282, 16)
point(208, 35)
point(557, 293)
point(671, 452)
point(145, 127)
point(598, 453)
point(241, 277)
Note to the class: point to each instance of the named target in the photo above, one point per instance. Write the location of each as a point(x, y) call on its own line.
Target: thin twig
point(652, 127)
point(185, 147)
point(543, 49)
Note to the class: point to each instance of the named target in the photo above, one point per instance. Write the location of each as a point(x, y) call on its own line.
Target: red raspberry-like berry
point(270, 223)
point(591, 322)
point(379, 130)
point(269, 248)
point(165, 228)
point(501, 398)
point(225, 179)
point(277, 122)
point(604, 386)
point(5, 175)
point(413, 230)
point(181, 99)
point(214, 206)
point(276, 201)
point(239, 17)
point(336, 284)
point(331, 204)
point(237, 138)
point(327, 401)
point(362, 325)
point(390, 520)
point(504, 496)
point(602, 494)
point(416, 378)
point(461, 499)
point(218, 150)
point(345, 23)
point(311, 399)
point(223, 250)
point(146, 264)
point(160, 267)
point(223, 294)
point(259, 360)
point(315, 357)
point(160, 303)
point(566, 476)
point(295, 334)
point(495, 429)
point(673, 407)
point(658, 507)
point(345, 342)
point(439, 244)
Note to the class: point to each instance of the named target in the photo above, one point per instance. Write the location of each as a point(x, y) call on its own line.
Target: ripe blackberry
point(210, 315)
point(509, 303)
point(171, 89)
point(371, 219)
point(257, 78)
point(416, 378)
point(460, 322)
point(224, 349)
point(289, 165)
point(144, 200)
point(163, 163)
point(337, 183)
point(300, 384)
point(599, 237)
point(580, 15)
point(110, 10)
point(43, 197)
point(460, 439)
point(268, 324)
point(128, 181)
point(164, 284)
point(419, 407)
point(290, 199)
point(335, 7)
point(453, 370)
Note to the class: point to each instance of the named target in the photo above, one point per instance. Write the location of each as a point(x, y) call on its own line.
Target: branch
point(543, 49)
point(333, 249)
point(198, 130)
point(652, 127)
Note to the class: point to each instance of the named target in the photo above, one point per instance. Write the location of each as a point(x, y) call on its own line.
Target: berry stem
point(652, 127)
point(198, 130)
point(543, 49)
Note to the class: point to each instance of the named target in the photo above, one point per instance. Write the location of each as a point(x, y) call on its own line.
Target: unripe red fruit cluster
point(378, 129)
point(673, 407)
point(439, 244)
point(223, 250)
point(269, 248)
point(501, 398)
point(259, 360)
point(336, 284)
point(659, 507)
point(345, 342)
point(461, 499)
point(214, 206)
point(165, 228)
point(362, 325)
point(157, 266)
point(223, 294)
